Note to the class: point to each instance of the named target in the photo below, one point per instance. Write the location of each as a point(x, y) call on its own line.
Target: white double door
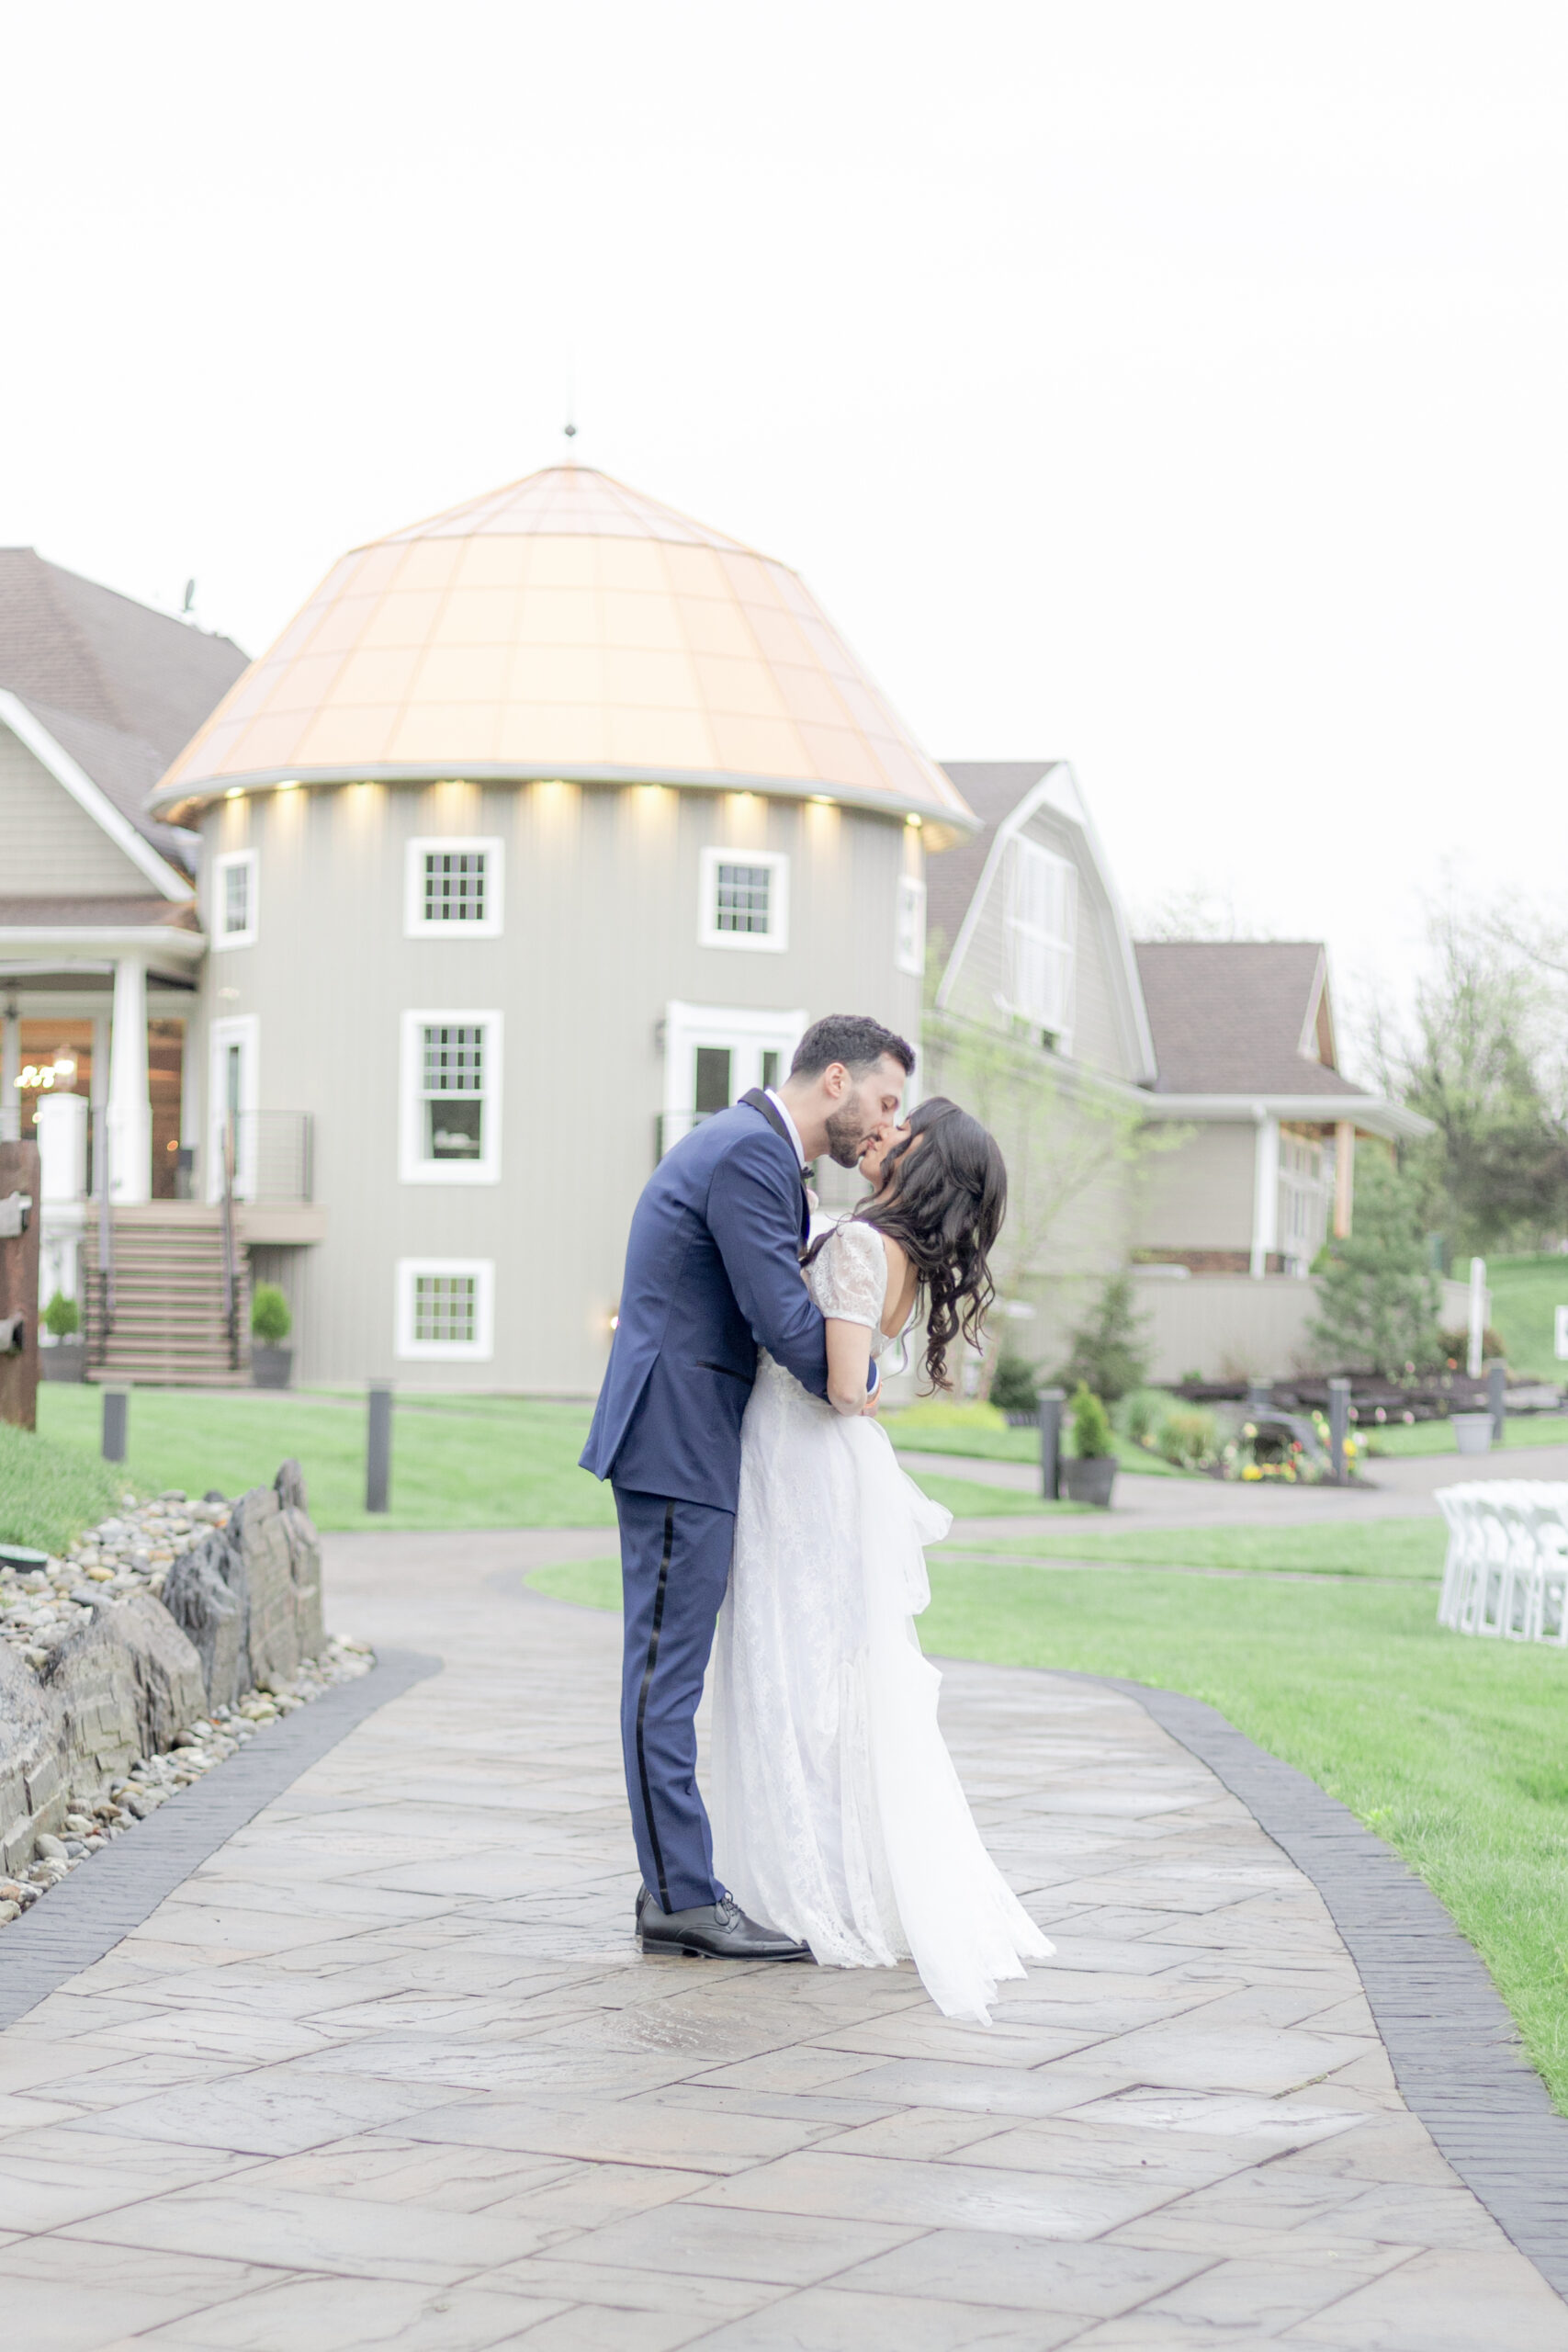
point(234, 1092)
point(714, 1054)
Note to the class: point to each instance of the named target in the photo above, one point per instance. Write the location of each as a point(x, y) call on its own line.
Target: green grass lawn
point(1525, 1294)
point(456, 1461)
point(1386, 1547)
point(1455, 1751)
point(980, 1431)
point(50, 1492)
point(1524, 1430)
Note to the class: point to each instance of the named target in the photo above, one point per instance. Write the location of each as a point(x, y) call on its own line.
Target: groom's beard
point(847, 1138)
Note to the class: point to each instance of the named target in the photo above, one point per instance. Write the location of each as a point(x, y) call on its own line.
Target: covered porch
point(96, 998)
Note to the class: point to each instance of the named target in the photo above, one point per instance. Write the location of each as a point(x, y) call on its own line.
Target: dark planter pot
point(1090, 1481)
point(271, 1367)
point(67, 1360)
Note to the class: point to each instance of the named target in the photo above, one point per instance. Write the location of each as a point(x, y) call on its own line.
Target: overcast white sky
point(1178, 389)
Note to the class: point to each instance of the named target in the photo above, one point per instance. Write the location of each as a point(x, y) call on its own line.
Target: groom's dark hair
point(853, 1038)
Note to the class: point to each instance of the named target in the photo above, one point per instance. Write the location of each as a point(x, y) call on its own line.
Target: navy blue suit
point(713, 1272)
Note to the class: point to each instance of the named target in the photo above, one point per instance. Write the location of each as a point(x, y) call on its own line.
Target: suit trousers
point(674, 1568)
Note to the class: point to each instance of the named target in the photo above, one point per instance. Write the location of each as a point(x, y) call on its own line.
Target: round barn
point(540, 834)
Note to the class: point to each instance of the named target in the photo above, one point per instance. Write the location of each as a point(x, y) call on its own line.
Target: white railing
point(1506, 1572)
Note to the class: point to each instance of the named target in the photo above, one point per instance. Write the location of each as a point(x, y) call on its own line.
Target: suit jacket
point(713, 1272)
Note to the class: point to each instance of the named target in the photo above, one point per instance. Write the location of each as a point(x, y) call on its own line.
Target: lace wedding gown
point(837, 1813)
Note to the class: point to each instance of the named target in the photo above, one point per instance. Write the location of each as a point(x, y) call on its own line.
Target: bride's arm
point(849, 1359)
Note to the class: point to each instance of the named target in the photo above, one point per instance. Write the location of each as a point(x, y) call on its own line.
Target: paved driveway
point(386, 2070)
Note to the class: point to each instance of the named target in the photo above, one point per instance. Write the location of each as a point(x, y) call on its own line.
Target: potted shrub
point(67, 1360)
point(1015, 1390)
point(272, 1365)
point(1089, 1472)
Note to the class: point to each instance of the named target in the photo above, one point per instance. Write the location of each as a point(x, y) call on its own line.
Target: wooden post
point(18, 1288)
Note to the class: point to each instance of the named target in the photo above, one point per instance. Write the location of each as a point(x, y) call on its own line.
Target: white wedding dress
point(837, 1814)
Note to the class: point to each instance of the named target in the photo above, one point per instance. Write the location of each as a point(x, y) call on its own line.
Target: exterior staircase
point(168, 1328)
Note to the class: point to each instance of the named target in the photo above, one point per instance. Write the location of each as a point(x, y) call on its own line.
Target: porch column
point(1344, 1175)
point(10, 1070)
point(1265, 1191)
point(129, 1107)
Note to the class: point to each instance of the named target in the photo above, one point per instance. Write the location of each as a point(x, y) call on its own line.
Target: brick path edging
point(1453, 2045)
point(102, 1901)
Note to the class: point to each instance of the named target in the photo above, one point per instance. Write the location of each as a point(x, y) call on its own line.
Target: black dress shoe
point(712, 1932)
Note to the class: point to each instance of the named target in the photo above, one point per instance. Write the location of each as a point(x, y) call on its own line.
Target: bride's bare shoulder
point(897, 1260)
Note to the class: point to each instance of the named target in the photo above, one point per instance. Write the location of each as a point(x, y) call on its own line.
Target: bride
point(837, 1814)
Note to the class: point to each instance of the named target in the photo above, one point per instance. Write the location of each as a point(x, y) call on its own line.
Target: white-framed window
point(451, 1099)
point(714, 1054)
point(445, 1309)
point(1041, 923)
point(452, 888)
point(235, 894)
point(909, 926)
point(744, 898)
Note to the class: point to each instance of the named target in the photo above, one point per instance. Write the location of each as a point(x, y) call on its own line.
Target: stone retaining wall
point(130, 1661)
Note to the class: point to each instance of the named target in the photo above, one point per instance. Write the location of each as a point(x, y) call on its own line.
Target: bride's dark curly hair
point(943, 1204)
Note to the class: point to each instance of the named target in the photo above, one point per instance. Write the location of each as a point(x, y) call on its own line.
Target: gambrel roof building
point(1227, 1046)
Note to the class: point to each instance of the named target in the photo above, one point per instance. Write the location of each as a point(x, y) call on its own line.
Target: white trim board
point(91, 798)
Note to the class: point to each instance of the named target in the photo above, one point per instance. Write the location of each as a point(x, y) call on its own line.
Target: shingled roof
point(1230, 1017)
point(121, 688)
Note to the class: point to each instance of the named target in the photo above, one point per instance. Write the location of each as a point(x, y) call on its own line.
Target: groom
point(713, 1272)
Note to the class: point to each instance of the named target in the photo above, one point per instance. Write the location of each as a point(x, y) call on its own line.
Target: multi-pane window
point(444, 1309)
point(745, 898)
point(452, 1086)
point(455, 885)
point(233, 915)
point(741, 900)
point(909, 926)
point(451, 1090)
point(1042, 915)
point(452, 889)
point(1306, 1185)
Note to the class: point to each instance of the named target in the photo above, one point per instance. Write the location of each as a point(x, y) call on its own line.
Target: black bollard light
point(378, 1447)
point(1051, 1403)
point(117, 1417)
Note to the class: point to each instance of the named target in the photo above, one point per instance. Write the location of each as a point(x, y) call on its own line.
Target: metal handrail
point(106, 1226)
point(274, 1155)
point(230, 1264)
point(671, 1125)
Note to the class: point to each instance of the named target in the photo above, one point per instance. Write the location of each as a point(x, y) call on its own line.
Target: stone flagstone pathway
point(386, 2070)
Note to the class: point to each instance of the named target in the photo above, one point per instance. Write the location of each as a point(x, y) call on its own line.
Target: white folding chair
point(1454, 1504)
point(1492, 1575)
point(1551, 1551)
